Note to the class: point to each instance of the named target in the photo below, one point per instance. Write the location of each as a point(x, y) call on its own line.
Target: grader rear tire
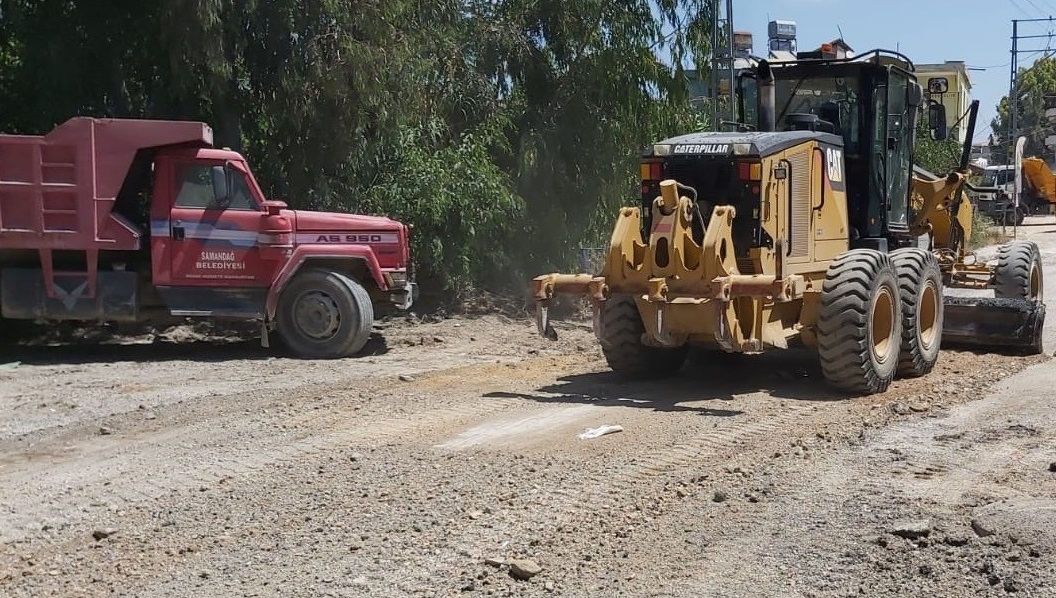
point(1018, 274)
point(920, 289)
point(859, 323)
point(621, 343)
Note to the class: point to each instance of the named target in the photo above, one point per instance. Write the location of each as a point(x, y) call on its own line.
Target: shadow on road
point(792, 374)
point(196, 350)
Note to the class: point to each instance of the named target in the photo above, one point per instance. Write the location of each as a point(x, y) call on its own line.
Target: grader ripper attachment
point(807, 227)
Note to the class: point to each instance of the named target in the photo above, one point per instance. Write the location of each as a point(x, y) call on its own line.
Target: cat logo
point(834, 160)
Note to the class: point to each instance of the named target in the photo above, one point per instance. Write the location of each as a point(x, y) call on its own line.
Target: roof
point(839, 42)
point(782, 56)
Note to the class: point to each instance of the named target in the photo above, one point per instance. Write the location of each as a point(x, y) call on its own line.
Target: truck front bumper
point(405, 296)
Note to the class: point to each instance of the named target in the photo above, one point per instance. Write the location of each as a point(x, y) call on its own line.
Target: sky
point(927, 31)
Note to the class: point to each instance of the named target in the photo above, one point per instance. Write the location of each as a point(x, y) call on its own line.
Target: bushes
point(505, 131)
point(461, 205)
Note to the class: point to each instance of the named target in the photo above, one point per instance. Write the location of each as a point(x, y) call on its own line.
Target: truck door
point(214, 244)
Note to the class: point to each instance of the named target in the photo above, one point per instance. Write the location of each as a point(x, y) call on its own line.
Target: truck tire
point(621, 343)
point(920, 290)
point(324, 315)
point(8, 335)
point(859, 323)
point(1012, 216)
point(1019, 274)
point(14, 332)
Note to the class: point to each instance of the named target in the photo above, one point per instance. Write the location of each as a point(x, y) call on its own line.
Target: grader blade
point(991, 322)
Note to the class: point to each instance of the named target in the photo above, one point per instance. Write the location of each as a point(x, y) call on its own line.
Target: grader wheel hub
point(883, 324)
point(928, 316)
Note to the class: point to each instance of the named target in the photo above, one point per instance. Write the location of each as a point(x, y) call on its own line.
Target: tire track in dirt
point(935, 467)
point(195, 455)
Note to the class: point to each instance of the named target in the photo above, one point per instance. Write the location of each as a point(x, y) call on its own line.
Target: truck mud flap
point(995, 323)
point(23, 295)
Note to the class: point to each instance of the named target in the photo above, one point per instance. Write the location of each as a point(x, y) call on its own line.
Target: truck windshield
point(995, 177)
point(832, 99)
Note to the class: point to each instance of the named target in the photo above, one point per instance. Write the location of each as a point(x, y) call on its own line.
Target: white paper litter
point(600, 431)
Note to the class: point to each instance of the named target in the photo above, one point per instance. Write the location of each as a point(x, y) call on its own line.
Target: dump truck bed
point(1040, 177)
point(57, 191)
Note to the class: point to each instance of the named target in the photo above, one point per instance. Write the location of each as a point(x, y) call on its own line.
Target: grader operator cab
point(806, 227)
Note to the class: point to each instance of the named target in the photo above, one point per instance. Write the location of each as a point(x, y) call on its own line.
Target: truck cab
point(129, 220)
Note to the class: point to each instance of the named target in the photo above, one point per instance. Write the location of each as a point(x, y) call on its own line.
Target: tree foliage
point(505, 131)
point(936, 156)
point(1036, 91)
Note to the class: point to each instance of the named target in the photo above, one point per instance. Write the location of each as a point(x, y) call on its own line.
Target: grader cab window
point(834, 100)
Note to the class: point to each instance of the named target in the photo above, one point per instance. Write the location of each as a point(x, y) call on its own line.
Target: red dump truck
point(134, 220)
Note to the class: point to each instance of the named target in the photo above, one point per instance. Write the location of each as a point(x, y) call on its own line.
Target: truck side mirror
point(274, 207)
point(221, 188)
point(937, 121)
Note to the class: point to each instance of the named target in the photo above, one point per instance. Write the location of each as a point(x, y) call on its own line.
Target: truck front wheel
point(324, 315)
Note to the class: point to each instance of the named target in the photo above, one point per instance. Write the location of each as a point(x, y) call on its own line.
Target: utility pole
point(722, 61)
point(1013, 78)
point(1013, 101)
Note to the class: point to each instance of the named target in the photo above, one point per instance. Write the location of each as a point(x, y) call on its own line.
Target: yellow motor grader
point(806, 227)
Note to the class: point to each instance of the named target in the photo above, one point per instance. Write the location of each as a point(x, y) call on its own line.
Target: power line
point(1040, 12)
point(986, 130)
point(1019, 8)
point(1014, 72)
point(992, 66)
point(1003, 65)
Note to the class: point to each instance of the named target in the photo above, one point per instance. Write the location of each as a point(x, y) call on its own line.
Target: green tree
point(1036, 91)
point(936, 156)
point(505, 131)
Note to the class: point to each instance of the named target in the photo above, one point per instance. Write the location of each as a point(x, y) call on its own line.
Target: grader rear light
point(652, 171)
point(749, 171)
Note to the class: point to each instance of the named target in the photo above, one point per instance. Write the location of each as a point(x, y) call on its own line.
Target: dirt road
point(439, 464)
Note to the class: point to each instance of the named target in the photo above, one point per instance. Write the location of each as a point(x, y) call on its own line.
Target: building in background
point(837, 49)
point(957, 97)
